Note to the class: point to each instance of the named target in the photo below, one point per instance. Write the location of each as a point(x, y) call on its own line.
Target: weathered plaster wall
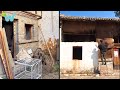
point(89, 57)
point(56, 24)
point(50, 24)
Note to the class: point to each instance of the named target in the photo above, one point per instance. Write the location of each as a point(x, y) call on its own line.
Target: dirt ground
point(89, 77)
point(53, 75)
point(49, 75)
point(115, 75)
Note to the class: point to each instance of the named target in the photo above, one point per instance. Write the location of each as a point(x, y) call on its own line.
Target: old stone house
point(79, 39)
point(31, 29)
point(23, 31)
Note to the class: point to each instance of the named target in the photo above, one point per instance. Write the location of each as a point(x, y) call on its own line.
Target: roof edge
point(63, 17)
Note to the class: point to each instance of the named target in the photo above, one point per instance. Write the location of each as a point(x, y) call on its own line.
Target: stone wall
point(34, 12)
point(19, 30)
point(50, 25)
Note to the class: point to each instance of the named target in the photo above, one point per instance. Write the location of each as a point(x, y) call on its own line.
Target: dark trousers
point(103, 59)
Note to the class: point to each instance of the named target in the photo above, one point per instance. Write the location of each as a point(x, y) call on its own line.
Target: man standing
point(103, 48)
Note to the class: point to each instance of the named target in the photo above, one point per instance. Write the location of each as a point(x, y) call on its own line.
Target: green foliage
point(3, 13)
point(56, 68)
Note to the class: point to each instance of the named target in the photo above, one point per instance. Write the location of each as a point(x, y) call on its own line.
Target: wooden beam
point(9, 59)
point(7, 54)
point(3, 57)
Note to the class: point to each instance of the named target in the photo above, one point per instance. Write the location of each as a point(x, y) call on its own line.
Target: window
point(28, 28)
point(77, 52)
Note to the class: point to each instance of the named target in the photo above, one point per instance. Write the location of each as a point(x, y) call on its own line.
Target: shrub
point(56, 68)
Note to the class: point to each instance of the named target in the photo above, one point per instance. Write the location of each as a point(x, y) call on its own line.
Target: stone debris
point(30, 52)
point(23, 55)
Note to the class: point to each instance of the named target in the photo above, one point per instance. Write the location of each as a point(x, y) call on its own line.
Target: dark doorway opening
point(9, 34)
point(77, 52)
point(118, 67)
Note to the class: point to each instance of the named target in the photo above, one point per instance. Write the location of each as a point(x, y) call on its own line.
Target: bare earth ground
point(54, 75)
point(47, 75)
point(89, 77)
point(116, 75)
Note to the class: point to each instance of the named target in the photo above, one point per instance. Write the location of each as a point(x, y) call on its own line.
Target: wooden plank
point(3, 62)
point(6, 52)
point(9, 59)
point(7, 49)
point(3, 57)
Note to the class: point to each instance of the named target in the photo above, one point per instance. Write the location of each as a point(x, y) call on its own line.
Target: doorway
point(9, 34)
point(116, 61)
point(119, 60)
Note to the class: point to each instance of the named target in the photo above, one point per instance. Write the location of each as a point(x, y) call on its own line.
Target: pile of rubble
point(24, 57)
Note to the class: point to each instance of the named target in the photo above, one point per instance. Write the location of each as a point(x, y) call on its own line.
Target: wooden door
point(116, 56)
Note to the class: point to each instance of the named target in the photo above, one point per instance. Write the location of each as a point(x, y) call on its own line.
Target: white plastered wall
point(89, 56)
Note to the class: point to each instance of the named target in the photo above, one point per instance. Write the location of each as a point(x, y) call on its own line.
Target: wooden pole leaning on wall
point(8, 56)
point(7, 49)
point(7, 53)
point(3, 56)
point(47, 47)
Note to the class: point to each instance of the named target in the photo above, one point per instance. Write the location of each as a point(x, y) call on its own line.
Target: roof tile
point(62, 17)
